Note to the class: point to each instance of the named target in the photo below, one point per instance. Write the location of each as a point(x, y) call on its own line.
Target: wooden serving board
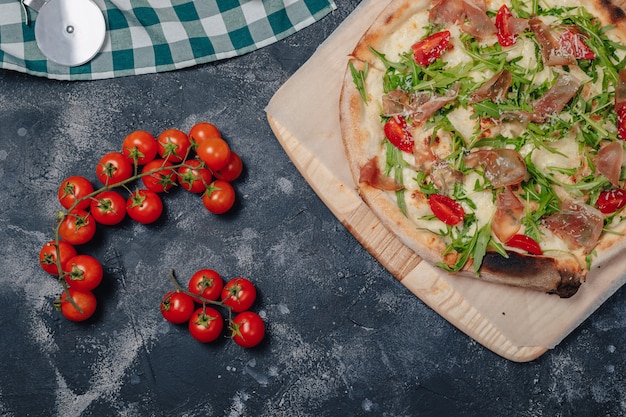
point(517, 324)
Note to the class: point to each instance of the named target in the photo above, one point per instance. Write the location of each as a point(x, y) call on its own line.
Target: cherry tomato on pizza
point(194, 176)
point(144, 206)
point(446, 209)
point(611, 201)
point(206, 324)
point(219, 197)
point(573, 43)
point(77, 227)
point(232, 170)
point(48, 256)
point(427, 50)
point(83, 272)
point(108, 208)
point(162, 179)
point(397, 132)
point(75, 188)
point(239, 294)
point(177, 307)
point(114, 168)
point(207, 283)
point(173, 145)
point(85, 300)
point(247, 329)
point(525, 243)
point(506, 37)
point(201, 131)
point(214, 152)
point(140, 147)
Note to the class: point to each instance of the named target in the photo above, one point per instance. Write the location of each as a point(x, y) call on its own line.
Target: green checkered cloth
point(147, 36)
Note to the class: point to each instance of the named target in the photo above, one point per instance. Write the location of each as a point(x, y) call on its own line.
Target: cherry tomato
point(574, 44)
point(426, 51)
point(162, 179)
point(75, 188)
point(446, 209)
point(505, 36)
point(193, 176)
point(144, 206)
point(612, 200)
point(83, 272)
point(77, 227)
point(232, 170)
point(247, 329)
point(201, 131)
point(525, 243)
point(113, 168)
point(85, 300)
point(239, 294)
point(207, 283)
point(214, 152)
point(108, 208)
point(140, 147)
point(219, 197)
point(48, 256)
point(177, 307)
point(206, 324)
point(396, 130)
point(173, 145)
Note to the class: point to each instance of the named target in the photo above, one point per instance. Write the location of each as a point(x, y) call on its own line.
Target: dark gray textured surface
point(344, 337)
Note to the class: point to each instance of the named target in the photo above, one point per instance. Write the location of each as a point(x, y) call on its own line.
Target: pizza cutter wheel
point(68, 32)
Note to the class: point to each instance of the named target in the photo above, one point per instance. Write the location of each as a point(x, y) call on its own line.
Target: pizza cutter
point(68, 32)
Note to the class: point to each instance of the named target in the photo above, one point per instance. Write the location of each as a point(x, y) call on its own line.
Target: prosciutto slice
point(456, 11)
point(418, 106)
point(555, 99)
point(495, 88)
point(609, 161)
point(620, 89)
point(502, 167)
point(370, 174)
point(507, 219)
point(551, 49)
point(578, 224)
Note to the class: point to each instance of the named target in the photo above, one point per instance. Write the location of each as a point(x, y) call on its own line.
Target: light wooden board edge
point(417, 276)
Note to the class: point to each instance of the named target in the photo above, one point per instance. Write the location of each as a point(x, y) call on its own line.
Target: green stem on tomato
point(63, 214)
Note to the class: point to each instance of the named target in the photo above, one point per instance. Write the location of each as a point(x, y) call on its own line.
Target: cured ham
point(502, 167)
point(551, 51)
point(417, 106)
point(578, 224)
point(444, 178)
point(620, 89)
point(495, 88)
point(457, 11)
point(507, 219)
point(555, 99)
point(370, 174)
point(609, 161)
point(480, 25)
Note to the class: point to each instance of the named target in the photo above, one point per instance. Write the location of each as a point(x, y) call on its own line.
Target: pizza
point(488, 135)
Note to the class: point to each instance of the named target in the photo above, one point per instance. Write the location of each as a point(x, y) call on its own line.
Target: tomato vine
point(201, 162)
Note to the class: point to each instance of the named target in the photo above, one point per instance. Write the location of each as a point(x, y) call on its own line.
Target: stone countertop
point(344, 338)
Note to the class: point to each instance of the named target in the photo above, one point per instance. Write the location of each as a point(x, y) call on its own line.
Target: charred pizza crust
point(394, 31)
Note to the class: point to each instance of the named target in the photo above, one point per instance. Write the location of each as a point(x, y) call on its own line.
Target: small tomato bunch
point(200, 161)
point(206, 288)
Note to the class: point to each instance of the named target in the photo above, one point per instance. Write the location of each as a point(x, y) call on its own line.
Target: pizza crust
point(393, 32)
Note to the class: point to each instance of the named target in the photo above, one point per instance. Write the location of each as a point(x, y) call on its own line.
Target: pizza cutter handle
point(34, 4)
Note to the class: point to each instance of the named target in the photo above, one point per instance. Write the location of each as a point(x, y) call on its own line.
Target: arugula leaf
point(359, 80)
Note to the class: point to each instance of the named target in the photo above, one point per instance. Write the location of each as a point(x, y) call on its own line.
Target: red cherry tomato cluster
point(206, 324)
point(200, 161)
